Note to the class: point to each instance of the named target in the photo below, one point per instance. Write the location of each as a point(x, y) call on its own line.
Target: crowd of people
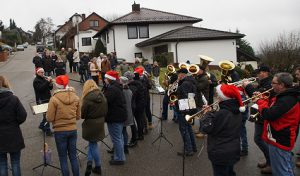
point(124, 101)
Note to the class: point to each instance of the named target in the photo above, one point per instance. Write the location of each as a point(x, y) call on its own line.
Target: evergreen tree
point(244, 45)
point(99, 48)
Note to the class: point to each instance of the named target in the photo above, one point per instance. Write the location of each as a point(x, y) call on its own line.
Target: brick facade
point(85, 24)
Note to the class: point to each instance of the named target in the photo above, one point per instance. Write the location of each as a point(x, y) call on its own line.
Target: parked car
point(20, 48)
point(7, 48)
point(40, 48)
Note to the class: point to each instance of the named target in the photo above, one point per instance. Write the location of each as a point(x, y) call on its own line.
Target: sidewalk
point(10, 57)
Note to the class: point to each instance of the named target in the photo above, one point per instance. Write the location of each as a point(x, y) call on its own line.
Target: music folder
point(38, 109)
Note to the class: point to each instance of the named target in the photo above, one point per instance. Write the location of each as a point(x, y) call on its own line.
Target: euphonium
point(193, 69)
point(183, 65)
point(226, 66)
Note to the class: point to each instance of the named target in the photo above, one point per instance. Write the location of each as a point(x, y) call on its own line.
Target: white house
point(146, 32)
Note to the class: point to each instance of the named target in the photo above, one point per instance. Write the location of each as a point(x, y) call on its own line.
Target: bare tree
point(42, 28)
point(111, 17)
point(282, 54)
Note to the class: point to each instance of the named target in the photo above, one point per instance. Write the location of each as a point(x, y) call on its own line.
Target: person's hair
point(284, 78)
point(297, 69)
point(4, 82)
point(89, 86)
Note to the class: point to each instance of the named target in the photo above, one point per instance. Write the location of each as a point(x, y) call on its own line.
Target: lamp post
point(76, 19)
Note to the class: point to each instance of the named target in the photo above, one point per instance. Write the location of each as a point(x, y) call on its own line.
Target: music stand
point(161, 134)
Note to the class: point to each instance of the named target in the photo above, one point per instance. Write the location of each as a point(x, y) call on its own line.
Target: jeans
point(175, 114)
point(75, 67)
point(281, 161)
point(125, 135)
point(66, 145)
point(115, 132)
point(243, 133)
point(260, 143)
point(93, 153)
point(187, 133)
point(165, 107)
point(223, 170)
point(15, 163)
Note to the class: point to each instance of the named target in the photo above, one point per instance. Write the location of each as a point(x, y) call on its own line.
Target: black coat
point(42, 89)
point(12, 115)
point(93, 111)
point(116, 103)
point(48, 64)
point(223, 142)
point(37, 61)
point(202, 85)
point(139, 95)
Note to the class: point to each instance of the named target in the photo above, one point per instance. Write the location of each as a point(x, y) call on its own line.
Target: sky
point(260, 20)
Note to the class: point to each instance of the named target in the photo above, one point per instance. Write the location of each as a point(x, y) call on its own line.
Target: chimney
point(136, 7)
point(83, 16)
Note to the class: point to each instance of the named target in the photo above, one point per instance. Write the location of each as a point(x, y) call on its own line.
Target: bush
point(164, 59)
point(99, 48)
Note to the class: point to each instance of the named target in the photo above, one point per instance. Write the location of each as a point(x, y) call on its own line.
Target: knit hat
point(182, 70)
point(226, 92)
point(124, 80)
point(129, 75)
point(139, 70)
point(62, 81)
point(112, 75)
point(39, 69)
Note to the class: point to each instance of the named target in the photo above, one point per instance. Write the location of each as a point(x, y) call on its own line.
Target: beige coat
point(64, 110)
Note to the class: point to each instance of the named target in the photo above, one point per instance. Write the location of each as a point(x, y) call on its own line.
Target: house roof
point(146, 15)
point(243, 56)
point(189, 33)
point(149, 16)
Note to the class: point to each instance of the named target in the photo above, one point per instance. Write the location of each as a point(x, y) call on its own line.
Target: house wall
point(85, 24)
point(126, 48)
point(83, 34)
point(216, 49)
point(253, 63)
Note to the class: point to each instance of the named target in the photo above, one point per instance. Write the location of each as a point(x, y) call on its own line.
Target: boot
point(150, 126)
point(88, 170)
point(126, 151)
point(199, 135)
point(266, 170)
point(132, 143)
point(97, 170)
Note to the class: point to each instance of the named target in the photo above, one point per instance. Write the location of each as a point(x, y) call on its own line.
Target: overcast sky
point(259, 20)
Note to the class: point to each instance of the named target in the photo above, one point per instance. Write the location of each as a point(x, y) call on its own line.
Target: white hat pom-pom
point(242, 109)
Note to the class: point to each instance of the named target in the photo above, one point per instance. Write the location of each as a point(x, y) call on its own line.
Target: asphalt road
point(158, 159)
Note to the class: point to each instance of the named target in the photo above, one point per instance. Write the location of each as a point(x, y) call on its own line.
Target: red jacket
point(281, 119)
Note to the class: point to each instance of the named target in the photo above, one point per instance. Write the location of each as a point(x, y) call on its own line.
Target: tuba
point(205, 60)
point(226, 66)
point(193, 69)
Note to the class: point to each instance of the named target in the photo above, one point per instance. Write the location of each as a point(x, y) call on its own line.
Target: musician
point(297, 75)
point(264, 84)
point(223, 140)
point(281, 121)
point(186, 86)
point(42, 86)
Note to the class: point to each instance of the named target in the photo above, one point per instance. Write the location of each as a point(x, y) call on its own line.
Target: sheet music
point(37, 109)
point(183, 104)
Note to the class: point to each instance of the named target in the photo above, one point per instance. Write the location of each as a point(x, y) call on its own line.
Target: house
point(81, 39)
point(245, 58)
point(146, 33)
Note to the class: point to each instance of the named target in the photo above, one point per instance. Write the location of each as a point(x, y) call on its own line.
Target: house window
point(86, 41)
point(94, 23)
point(139, 55)
point(144, 31)
point(132, 32)
point(107, 38)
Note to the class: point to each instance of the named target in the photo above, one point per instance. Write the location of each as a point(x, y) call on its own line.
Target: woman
point(94, 70)
point(59, 66)
point(63, 111)
point(94, 110)
point(11, 140)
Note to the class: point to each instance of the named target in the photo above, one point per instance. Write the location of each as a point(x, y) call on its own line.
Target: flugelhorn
point(239, 83)
point(200, 113)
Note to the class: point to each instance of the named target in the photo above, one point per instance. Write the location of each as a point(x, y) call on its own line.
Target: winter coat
point(105, 66)
point(12, 116)
point(202, 85)
point(84, 60)
point(148, 68)
point(60, 68)
point(70, 56)
point(116, 103)
point(37, 61)
point(281, 119)
point(223, 142)
point(156, 71)
point(128, 98)
point(93, 111)
point(42, 89)
point(64, 110)
point(138, 94)
point(48, 64)
point(124, 68)
point(76, 57)
point(63, 55)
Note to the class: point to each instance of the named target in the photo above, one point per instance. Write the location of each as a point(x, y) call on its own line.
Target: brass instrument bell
point(226, 66)
point(183, 65)
point(193, 69)
point(205, 60)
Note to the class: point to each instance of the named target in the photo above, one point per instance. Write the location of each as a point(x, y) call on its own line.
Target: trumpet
point(262, 95)
point(200, 114)
point(240, 83)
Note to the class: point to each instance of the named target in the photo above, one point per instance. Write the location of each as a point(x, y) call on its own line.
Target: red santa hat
point(39, 69)
point(112, 75)
point(226, 92)
point(62, 81)
point(139, 70)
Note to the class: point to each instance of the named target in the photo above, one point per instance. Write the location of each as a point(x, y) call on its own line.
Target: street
point(158, 159)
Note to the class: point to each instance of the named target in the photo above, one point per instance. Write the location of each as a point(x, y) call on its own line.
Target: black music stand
point(161, 134)
point(44, 164)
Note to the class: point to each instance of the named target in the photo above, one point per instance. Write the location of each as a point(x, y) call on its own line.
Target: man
point(48, 64)
point(63, 55)
point(186, 89)
point(105, 67)
point(70, 59)
point(264, 84)
point(281, 122)
point(76, 60)
point(297, 75)
point(116, 115)
point(37, 61)
point(42, 86)
point(124, 67)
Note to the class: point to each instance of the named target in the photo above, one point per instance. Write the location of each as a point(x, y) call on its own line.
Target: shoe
point(88, 170)
point(97, 170)
point(243, 153)
point(262, 165)
point(132, 144)
point(150, 126)
point(266, 170)
point(145, 132)
point(116, 162)
point(195, 150)
point(199, 135)
point(140, 138)
point(297, 164)
point(110, 151)
point(49, 133)
point(126, 151)
point(186, 153)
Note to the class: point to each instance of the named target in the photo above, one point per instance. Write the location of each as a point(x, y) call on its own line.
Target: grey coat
point(128, 98)
point(93, 111)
